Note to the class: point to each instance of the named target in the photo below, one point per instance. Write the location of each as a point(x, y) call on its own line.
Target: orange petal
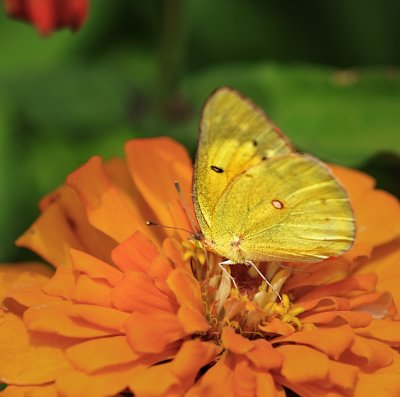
point(144, 383)
point(357, 183)
point(41, 238)
point(173, 250)
point(336, 318)
point(382, 382)
point(195, 352)
point(375, 354)
point(117, 169)
point(264, 356)
point(92, 292)
point(22, 274)
point(317, 389)
point(62, 283)
point(217, 381)
point(151, 333)
point(235, 342)
point(24, 362)
point(64, 318)
point(331, 341)
point(359, 249)
point(192, 320)
point(277, 327)
point(95, 268)
point(325, 304)
point(342, 375)
point(100, 353)
point(136, 253)
point(57, 321)
point(339, 383)
point(27, 297)
point(376, 226)
point(181, 219)
point(266, 386)
point(72, 213)
point(155, 164)
point(365, 282)
point(384, 262)
point(316, 274)
point(302, 364)
point(31, 391)
point(378, 218)
point(106, 205)
point(160, 268)
point(137, 292)
point(186, 289)
point(387, 331)
point(244, 379)
point(175, 377)
point(108, 382)
point(105, 317)
point(378, 305)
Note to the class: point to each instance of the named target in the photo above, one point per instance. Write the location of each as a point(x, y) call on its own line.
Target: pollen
point(287, 312)
point(193, 249)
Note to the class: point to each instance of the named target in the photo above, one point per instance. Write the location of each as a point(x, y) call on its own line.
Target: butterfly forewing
point(234, 136)
point(288, 208)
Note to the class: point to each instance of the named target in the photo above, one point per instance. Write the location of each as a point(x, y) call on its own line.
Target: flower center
point(253, 308)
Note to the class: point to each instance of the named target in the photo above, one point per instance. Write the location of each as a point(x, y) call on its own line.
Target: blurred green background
point(327, 72)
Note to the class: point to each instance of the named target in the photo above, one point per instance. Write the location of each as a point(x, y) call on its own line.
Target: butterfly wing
point(234, 136)
point(288, 208)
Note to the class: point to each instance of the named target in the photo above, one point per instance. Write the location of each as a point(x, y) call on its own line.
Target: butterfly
point(255, 198)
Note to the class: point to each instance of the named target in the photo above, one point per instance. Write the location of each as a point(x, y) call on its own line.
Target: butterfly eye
point(277, 204)
point(217, 169)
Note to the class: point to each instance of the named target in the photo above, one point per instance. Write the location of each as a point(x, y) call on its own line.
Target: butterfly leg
point(250, 263)
point(228, 262)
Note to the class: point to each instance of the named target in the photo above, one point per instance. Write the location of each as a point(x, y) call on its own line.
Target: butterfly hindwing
point(288, 208)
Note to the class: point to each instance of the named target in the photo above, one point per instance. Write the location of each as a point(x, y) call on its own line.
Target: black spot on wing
point(216, 169)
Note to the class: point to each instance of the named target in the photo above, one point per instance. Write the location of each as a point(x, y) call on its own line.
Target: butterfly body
point(255, 198)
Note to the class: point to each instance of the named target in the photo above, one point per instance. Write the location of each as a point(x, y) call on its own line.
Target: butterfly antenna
point(185, 206)
point(151, 223)
point(196, 234)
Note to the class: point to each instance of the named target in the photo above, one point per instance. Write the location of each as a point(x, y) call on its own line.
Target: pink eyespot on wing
point(277, 204)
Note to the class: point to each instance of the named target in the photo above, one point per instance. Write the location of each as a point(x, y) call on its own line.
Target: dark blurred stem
point(170, 65)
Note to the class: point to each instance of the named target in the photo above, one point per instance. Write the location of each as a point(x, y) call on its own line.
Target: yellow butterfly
point(255, 198)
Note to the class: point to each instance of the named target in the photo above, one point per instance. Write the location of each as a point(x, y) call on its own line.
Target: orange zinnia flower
point(144, 310)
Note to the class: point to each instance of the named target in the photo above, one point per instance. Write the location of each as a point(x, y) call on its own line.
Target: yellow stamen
point(193, 249)
point(286, 311)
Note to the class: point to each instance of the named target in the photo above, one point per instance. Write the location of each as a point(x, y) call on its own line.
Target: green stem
point(170, 66)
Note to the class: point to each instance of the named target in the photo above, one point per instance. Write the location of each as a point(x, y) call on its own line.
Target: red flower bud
point(49, 15)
